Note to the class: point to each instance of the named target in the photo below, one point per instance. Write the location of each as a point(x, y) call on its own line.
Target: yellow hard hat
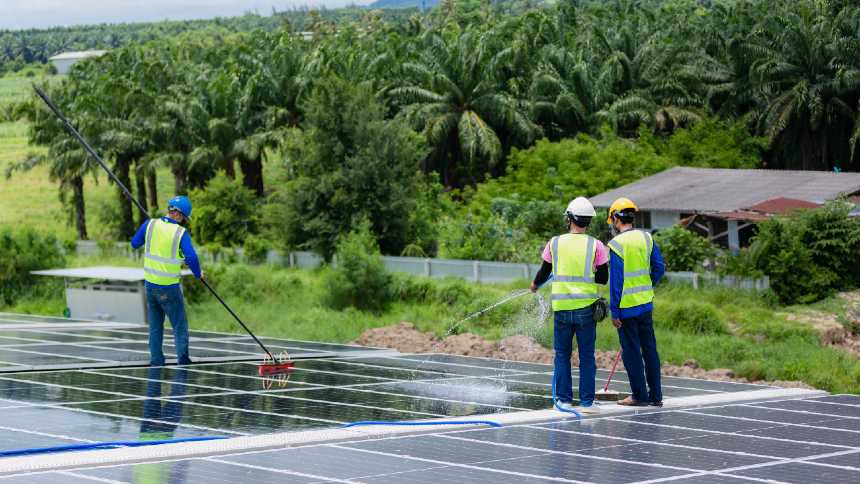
point(620, 204)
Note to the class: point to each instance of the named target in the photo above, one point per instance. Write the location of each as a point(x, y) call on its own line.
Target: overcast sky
point(21, 14)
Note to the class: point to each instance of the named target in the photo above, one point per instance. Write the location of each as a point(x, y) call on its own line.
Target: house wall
point(63, 65)
point(662, 220)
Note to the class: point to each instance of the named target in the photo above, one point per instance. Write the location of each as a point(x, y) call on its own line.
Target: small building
point(63, 62)
point(725, 204)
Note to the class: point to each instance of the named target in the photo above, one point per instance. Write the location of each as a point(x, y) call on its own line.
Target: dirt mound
point(405, 338)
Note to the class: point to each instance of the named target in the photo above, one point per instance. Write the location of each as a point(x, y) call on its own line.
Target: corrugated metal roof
point(782, 205)
point(78, 55)
point(685, 189)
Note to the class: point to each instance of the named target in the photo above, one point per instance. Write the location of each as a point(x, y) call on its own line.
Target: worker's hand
point(533, 287)
point(202, 276)
point(617, 323)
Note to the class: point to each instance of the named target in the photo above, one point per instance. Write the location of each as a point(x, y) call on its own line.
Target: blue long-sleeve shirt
point(616, 284)
point(185, 246)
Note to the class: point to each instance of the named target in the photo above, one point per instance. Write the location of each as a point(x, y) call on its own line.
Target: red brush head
point(268, 369)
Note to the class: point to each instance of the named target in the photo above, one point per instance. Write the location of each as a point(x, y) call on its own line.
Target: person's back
point(577, 263)
point(167, 245)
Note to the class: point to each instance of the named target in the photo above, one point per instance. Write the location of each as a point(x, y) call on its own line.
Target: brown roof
point(782, 205)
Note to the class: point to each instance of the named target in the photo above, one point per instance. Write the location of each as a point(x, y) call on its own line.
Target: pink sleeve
point(602, 254)
point(547, 254)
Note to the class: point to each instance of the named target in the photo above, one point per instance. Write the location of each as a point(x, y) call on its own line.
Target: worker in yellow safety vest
point(167, 245)
point(577, 263)
point(635, 267)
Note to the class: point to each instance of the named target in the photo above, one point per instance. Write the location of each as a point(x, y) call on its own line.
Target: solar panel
point(602, 449)
point(808, 437)
point(45, 343)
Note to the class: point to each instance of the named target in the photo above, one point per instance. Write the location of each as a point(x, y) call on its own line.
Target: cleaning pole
point(270, 365)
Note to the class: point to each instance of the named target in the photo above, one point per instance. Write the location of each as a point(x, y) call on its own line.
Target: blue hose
point(408, 423)
point(101, 445)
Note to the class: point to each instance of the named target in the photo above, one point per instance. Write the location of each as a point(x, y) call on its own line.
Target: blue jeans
point(638, 346)
point(581, 323)
point(161, 301)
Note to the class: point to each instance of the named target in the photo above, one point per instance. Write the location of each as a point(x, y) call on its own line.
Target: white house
point(64, 61)
point(726, 204)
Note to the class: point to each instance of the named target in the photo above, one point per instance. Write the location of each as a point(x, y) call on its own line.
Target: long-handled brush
point(606, 394)
point(271, 365)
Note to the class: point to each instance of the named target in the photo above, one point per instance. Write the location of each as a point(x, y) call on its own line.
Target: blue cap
point(180, 203)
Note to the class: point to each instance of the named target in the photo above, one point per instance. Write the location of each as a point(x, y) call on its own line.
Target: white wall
point(661, 220)
point(63, 65)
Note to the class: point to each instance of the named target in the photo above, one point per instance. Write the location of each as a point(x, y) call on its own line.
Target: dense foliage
point(359, 280)
point(809, 254)
point(226, 213)
point(22, 251)
point(682, 249)
point(21, 47)
point(462, 132)
point(347, 164)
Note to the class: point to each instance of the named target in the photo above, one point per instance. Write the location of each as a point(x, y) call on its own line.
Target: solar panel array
point(42, 343)
point(802, 440)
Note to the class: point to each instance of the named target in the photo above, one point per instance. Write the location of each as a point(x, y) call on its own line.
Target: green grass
point(32, 198)
point(273, 301)
point(15, 89)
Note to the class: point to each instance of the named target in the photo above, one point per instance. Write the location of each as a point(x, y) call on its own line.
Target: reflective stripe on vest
point(162, 264)
point(635, 246)
point(573, 285)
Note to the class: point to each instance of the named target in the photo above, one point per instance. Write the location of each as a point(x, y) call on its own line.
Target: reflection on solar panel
point(709, 431)
point(44, 343)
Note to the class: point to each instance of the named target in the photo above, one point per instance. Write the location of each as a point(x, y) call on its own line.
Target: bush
point(23, 250)
point(349, 163)
point(682, 249)
point(712, 144)
point(809, 254)
point(693, 318)
point(559, 171)
point(490, 239)
point(360, 279)
point(225, 212)
point(256, 249)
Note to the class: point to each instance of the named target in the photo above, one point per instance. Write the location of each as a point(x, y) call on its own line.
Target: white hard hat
point(581, 207)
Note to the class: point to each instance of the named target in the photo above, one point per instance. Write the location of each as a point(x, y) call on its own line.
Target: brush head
point(268, 369)
point(608, 395)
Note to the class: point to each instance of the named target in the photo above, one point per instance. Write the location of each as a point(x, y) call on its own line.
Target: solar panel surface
point(785, 440)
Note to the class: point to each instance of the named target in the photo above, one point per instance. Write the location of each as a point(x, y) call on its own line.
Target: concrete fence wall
point(478, 271)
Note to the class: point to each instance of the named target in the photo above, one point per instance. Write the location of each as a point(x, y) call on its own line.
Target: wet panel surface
point(801, 472)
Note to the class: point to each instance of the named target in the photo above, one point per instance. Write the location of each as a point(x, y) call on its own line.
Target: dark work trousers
point(641, 360)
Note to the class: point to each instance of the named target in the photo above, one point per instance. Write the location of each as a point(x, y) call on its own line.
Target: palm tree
point(455, 95)
point(568, 93)
point(810, 70)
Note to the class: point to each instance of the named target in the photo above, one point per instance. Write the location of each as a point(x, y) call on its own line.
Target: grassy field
point(719, 328)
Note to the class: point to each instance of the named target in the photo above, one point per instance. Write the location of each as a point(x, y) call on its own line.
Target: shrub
point(360, 279)
point(225, 212)
point(256, 249)
point(682, 249)
point(490, 239)
point(349, 163)
point(694, 318)
point(23, 250)
point(809, 254)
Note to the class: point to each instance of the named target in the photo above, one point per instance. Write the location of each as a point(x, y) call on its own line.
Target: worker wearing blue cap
point(167, 245)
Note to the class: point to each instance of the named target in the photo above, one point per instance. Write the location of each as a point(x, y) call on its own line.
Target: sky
point(23, 14)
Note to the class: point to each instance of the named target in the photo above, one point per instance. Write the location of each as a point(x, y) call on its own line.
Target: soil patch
point(405, 338)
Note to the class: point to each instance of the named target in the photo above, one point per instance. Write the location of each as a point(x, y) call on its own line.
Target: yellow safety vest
point(162, 262)
point(573, 285)
point(634, 247)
